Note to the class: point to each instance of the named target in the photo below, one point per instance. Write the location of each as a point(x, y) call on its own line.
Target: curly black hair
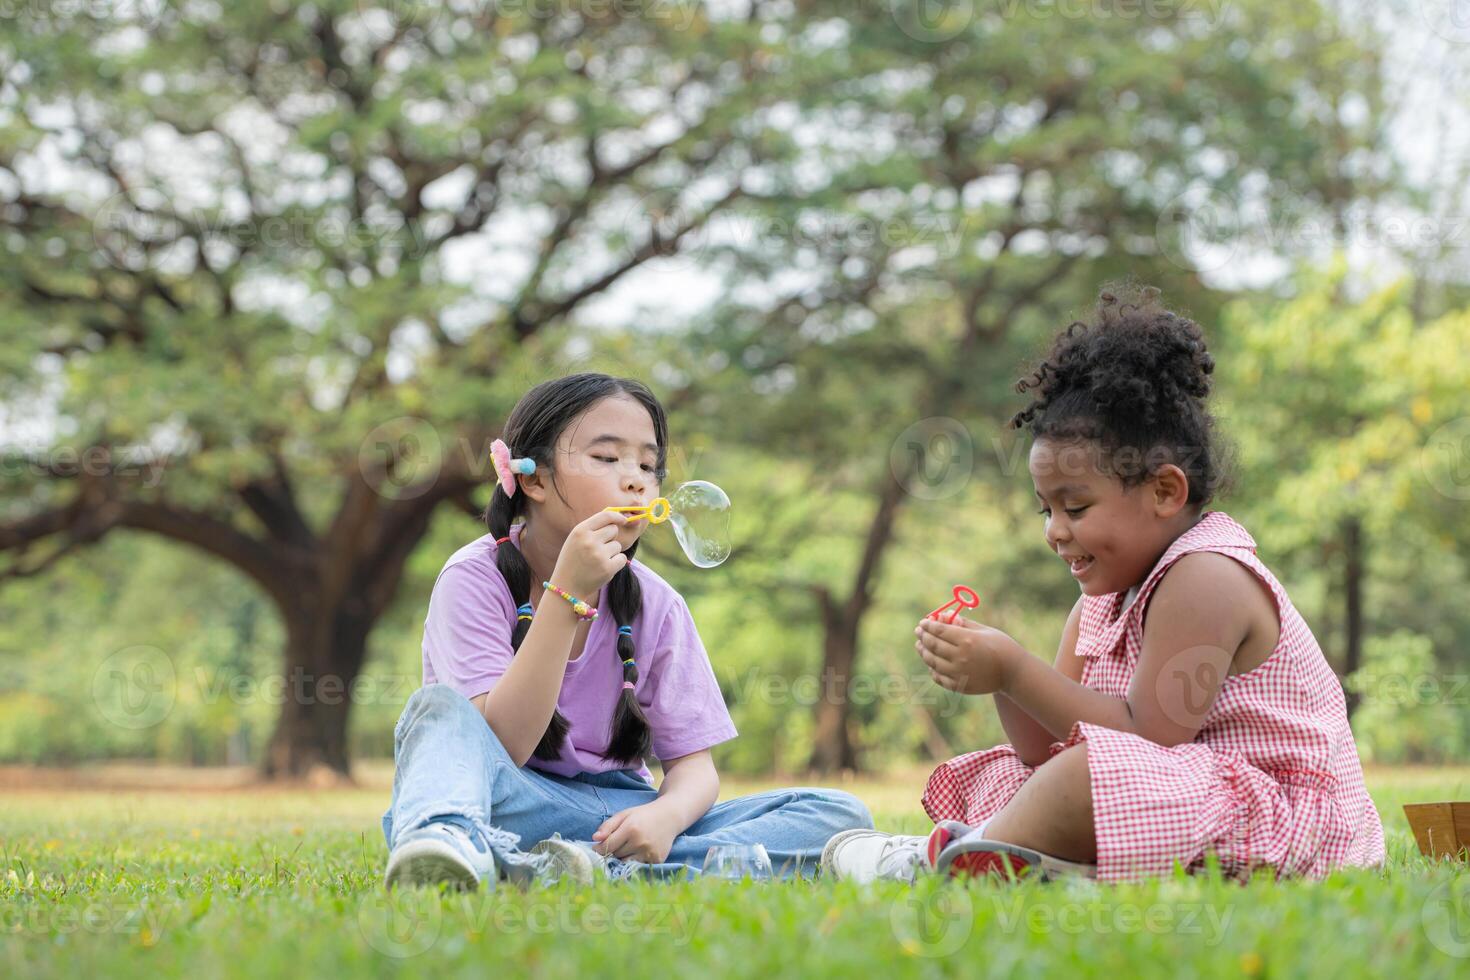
point(1131, 380)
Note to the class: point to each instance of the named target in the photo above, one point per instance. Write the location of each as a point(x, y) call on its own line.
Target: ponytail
point(630, 737)
point(517, 573)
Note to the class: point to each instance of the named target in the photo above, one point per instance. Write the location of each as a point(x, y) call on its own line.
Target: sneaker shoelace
point(511, 862)
point(901, 857)
point(482, 841)
point(622, 869)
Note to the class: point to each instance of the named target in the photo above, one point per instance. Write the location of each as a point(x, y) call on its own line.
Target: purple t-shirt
point(467, 646)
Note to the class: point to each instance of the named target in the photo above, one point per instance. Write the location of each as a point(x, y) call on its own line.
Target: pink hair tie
point(627, 685)
point(506, 467)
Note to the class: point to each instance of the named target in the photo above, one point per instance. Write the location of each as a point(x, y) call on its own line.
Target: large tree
point(984, 172)
point(275, 273)
point(1361, 450)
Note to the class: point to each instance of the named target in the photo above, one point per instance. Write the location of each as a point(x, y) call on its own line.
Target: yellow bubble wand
point(699, 513)
point(656, 511)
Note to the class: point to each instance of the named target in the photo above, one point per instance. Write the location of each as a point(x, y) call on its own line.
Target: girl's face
point(606, 457)
point(1110, 536)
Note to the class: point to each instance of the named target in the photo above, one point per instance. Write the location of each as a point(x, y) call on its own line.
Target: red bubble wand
point(964, 598)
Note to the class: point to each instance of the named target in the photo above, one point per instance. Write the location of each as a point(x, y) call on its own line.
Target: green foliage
point(1412, 709)
point(913, 208)
point(794, 524)
point(1346, 407)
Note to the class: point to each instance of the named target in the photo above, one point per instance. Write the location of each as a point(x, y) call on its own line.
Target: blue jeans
point(450, 766)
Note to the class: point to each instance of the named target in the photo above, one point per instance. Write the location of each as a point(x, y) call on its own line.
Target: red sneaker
point(972, 855)
point(944, 832)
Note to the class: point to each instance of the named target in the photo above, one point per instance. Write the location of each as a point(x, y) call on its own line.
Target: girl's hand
point(644, 833)
point(591, 555)
point(966, 656)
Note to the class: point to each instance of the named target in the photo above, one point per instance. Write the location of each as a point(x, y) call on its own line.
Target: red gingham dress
point(1272, 778)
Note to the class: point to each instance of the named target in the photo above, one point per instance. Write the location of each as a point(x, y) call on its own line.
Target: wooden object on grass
point(1441, 829)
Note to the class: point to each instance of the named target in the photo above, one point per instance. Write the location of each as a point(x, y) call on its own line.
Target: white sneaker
point(439, 852)
point(870, 855)
point(572, 860)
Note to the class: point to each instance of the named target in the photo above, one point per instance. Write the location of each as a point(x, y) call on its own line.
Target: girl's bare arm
point(1198, 619)
point(519, 706)
point(1028, 736)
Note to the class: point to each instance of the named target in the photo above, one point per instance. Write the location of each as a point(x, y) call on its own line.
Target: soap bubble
point(701, 519)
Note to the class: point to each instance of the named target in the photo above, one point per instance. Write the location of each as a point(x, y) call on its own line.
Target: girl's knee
point(847, 810)
point(439, 695)
point(1067, 771)
point(861, 816)
point(1073, 758)
point(438, 700)
point(442, 704)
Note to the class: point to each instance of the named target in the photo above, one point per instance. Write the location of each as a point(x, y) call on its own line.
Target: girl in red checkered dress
point(1190, 712)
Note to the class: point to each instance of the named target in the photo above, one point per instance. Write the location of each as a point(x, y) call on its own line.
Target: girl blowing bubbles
point(553, 663)
point(1189, 710)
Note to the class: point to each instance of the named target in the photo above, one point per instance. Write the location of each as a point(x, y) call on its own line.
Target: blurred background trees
point(275, 274)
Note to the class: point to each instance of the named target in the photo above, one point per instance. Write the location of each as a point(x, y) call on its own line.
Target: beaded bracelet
point(579, 607)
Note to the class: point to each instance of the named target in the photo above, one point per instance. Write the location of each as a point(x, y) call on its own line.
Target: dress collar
point(1105, 617)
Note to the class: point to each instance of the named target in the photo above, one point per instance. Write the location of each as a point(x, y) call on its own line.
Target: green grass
point(271, 883)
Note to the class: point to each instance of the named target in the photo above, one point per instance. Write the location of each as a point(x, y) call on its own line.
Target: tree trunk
point(322, 660)
point(832, 746)
point(339, 592)
point(832, 742)
point(1352, 660)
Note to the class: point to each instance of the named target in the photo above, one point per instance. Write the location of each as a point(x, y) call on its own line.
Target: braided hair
point(532, 430)
point(1132, 380)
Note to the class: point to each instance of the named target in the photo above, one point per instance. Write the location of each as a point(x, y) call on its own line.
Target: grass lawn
point(225, 882)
